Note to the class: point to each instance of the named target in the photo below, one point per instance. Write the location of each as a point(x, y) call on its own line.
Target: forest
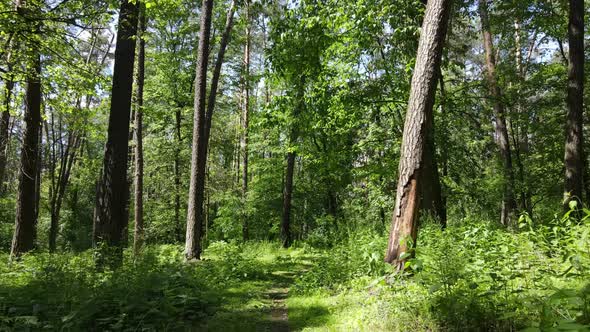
point(294, 165)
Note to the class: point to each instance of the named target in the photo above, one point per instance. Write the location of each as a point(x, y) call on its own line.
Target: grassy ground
point(467, 278)
point(258, 304)
point(234, 288)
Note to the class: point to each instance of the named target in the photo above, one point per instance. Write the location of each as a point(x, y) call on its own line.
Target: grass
point(471, 277)
point(229, 290)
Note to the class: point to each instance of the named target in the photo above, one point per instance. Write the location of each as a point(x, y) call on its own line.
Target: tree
point(138, 178)
point(110, 211)
point(26, 209)
point(431, 192)
point(422, 93)
point(245, 110)
point(503, 141)
point(574, 141)
point(5, 117)
point(203, 114)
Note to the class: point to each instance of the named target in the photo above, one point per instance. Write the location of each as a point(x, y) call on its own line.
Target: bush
point(472, 276)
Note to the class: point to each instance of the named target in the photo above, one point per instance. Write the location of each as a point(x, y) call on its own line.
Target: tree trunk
point(4, 130)
point(287, 198)
point(139, 81)
point(288, 179)
point(68, 154)
point(431, 192)
point(59, 184)
point(424, 80)
point(110, 215)
point(521, 140)
point(574, 140)
point(245, 110)
point(26, 208)
point(201, 129)
point(508, 201)
point(177, 187)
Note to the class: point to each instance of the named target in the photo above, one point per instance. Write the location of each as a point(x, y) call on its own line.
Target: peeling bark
point(424, 80)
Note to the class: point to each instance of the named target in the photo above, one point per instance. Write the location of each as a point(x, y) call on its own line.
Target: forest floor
point(505, 281)
point(270, 301)
point(260, 304)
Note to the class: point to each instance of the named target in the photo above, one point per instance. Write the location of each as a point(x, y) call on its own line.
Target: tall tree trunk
point(5, 126)
point(177, 186)
point(424, 80)
point(67, 155)
point(508, 201)
point(139, 81)
point(574, 140)
point(26, 208)
point(60, 180)
point(288, 179)
point(110, 215)
point(245, 120)
point(521, 145)
point(444, 148)
point(430, 189)
point(202, 126)
point(287, 199)
point(431, 201)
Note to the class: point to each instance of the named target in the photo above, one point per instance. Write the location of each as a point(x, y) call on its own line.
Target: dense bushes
point(156, 291)
point(472, 276)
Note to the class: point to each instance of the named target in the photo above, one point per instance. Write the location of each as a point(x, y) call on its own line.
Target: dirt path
point(279, 315)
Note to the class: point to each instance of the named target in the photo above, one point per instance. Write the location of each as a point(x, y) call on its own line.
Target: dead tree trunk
point(424, 80)
point(503, 141)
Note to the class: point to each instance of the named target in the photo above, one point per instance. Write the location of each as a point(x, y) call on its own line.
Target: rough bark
point(26, 208)
point(424, 80)
point(574, 139)
point(110, 211)
point(245, 124)
point(202, 127)
point(502, 138)
point(138, 178)
point(431, 202)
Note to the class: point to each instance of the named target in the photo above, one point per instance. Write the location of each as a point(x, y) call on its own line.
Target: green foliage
point(155, 291)
point(470, 277)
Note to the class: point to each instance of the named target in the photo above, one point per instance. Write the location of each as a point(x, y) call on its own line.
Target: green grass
point(227, 291)
point(470, 277)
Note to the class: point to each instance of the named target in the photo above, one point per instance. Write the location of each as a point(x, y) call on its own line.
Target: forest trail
point(279, 315)
point(259, 302)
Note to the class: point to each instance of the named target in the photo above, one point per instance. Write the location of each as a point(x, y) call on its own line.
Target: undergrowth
point(153, 292)
point(472, 276)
